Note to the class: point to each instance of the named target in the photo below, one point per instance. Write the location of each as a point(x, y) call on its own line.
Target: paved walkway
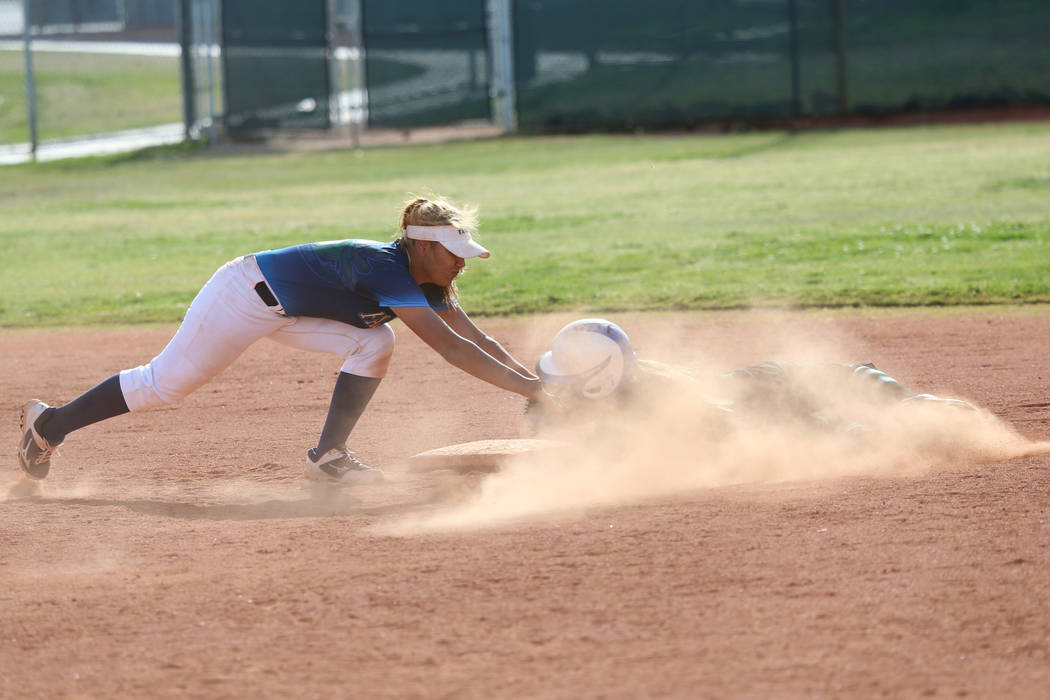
point(95, 145)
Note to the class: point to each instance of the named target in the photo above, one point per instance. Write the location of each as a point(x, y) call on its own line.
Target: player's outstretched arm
point(457, 318)
point(466, 354)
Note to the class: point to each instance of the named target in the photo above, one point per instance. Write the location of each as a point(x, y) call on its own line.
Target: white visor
point(457, 240)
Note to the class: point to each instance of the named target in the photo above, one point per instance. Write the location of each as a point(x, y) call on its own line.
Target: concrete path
point(95, 145)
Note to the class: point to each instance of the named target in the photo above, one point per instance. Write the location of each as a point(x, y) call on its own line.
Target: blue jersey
point(353, 281)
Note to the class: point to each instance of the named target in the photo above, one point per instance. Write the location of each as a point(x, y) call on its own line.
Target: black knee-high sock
point(102, 401)
point(349, 398)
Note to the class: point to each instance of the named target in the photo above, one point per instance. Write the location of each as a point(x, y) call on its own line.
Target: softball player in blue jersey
point(335, 297)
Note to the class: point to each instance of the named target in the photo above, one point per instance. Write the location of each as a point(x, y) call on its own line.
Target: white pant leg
point(367, 351)
point(226, 317)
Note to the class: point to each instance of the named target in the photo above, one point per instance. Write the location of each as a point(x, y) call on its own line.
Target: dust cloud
point(683, 427)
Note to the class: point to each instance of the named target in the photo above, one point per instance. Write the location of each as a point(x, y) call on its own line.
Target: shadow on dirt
point(321, 501)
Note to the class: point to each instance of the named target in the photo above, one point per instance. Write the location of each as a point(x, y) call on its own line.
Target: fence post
point(796, 99)
point(357, 82)
point(184, 21)
point(206, 30)
point(502, 51)
point(27, 33)
point(838, 15)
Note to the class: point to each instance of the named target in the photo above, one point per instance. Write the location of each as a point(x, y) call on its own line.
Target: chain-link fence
point(103, 66)
point(95, 70)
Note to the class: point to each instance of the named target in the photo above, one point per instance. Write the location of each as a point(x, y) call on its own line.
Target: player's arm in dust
point(464, 353)
point(458, 320)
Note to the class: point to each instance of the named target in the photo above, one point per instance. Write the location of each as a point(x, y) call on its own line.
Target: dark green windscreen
point(906, 55)
point(623, 64)
point(426, 63)
point(275, 58)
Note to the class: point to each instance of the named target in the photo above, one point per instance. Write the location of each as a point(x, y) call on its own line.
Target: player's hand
point(539, 395)
point(543, 411)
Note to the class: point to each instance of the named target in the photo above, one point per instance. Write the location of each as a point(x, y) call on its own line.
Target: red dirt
point(177, 552)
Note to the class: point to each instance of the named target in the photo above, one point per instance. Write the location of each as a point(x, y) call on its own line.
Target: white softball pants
point(226, 317)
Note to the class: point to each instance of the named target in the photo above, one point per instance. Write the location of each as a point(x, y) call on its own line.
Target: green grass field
point(80, 94)
point(887, 217)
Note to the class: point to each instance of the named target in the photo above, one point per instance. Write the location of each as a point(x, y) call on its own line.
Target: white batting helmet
point(590, 357)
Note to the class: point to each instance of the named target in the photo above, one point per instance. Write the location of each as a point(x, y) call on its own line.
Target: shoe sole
point(322, 478)
point(22, 431)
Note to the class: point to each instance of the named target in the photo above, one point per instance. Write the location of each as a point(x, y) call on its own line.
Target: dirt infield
point(179, 553)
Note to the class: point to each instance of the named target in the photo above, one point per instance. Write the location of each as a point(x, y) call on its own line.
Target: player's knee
point(372, 353)
point(144, 389)
point(137, 385)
